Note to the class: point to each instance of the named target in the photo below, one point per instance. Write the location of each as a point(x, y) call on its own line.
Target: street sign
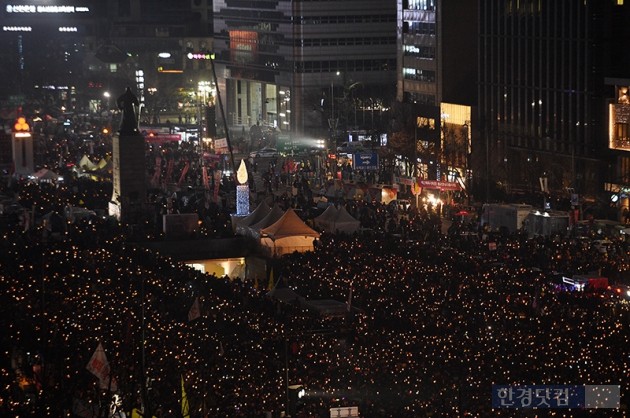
point(283, 142)
point(365, 161)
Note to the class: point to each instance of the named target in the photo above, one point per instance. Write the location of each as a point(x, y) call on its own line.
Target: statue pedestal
point(129, 172)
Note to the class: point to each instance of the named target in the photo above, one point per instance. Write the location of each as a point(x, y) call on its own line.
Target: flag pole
point(225, 124)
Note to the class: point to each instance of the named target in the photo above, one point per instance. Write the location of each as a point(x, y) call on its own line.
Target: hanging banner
point(217, 183)
point(439, 185)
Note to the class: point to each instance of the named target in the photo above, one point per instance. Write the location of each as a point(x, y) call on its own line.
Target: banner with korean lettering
point(439, 185)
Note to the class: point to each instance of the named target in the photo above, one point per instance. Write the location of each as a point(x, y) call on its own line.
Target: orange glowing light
point(21, 125)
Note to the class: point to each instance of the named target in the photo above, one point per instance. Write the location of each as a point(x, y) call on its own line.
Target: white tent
point(86, 164)
point(241, 226)
point(326, 220)
point(45, 175)
point(274, 214)
point(287, 235)
point(345, 222)
point(337, 220)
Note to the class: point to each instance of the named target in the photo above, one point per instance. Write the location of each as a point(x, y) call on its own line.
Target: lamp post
point(332, 121)
point(467, 171)
point(107, 96)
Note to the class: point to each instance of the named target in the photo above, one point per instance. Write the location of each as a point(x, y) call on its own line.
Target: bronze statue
point(130, 106)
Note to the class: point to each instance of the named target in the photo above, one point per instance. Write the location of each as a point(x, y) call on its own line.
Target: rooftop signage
point(34, 9)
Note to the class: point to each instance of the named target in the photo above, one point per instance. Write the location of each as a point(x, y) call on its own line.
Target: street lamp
point(332, 96)
point(107, 96)
point(332, 122)
point(467, 172)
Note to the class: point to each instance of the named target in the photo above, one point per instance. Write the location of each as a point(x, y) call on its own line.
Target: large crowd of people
point(431, 319)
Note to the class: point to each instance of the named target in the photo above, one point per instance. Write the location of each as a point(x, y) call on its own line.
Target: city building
point(305, 68)
point(552, 81)
point(79, 54)
point(437, 75)
point(44, 48)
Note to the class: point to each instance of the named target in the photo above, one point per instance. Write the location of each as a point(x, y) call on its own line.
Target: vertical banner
point(183, 175)
point(217, 183)
point(206, 181)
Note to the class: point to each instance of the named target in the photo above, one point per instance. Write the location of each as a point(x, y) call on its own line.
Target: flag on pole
point(99, 367)
point(195, 311)
point(185, 406)
point(350, 298)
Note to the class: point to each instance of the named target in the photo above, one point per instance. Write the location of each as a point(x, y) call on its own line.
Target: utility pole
point(225, 125)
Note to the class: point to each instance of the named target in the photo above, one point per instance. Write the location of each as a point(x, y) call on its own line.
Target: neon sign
point(200, 56)
point(17, 29)
point(31, 8)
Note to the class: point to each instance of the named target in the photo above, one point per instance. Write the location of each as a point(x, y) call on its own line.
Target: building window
point(420, 28)
point(421, 5)
point(427, 76)
point(421, 52)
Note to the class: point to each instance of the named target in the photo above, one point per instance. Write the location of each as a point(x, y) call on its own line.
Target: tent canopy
point(242, 225)
point(337, 220)
point(45, 174)
point(287, 235)
point(274, 214)
point(86, 164)
point(289, 225)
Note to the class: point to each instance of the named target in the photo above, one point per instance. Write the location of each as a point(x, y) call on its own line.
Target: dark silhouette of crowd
point(433, 321)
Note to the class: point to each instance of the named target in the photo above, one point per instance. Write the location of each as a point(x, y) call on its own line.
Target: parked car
point(264, 152)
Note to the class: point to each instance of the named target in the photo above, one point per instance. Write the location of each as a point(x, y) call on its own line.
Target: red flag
point(169, 170)
point(217, 183)
point(183, 175)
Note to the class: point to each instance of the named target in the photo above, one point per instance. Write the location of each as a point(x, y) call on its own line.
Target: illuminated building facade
point(77, 54)
point(287, 64)
point(44, 47)
point(437, 76)
point(548, 71)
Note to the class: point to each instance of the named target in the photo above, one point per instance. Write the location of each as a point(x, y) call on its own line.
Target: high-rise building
point(77, 54)
point(437, 76)
point(300, 66)
point(548, 70)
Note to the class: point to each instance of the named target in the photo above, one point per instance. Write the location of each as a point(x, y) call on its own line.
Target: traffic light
point(211, 121)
